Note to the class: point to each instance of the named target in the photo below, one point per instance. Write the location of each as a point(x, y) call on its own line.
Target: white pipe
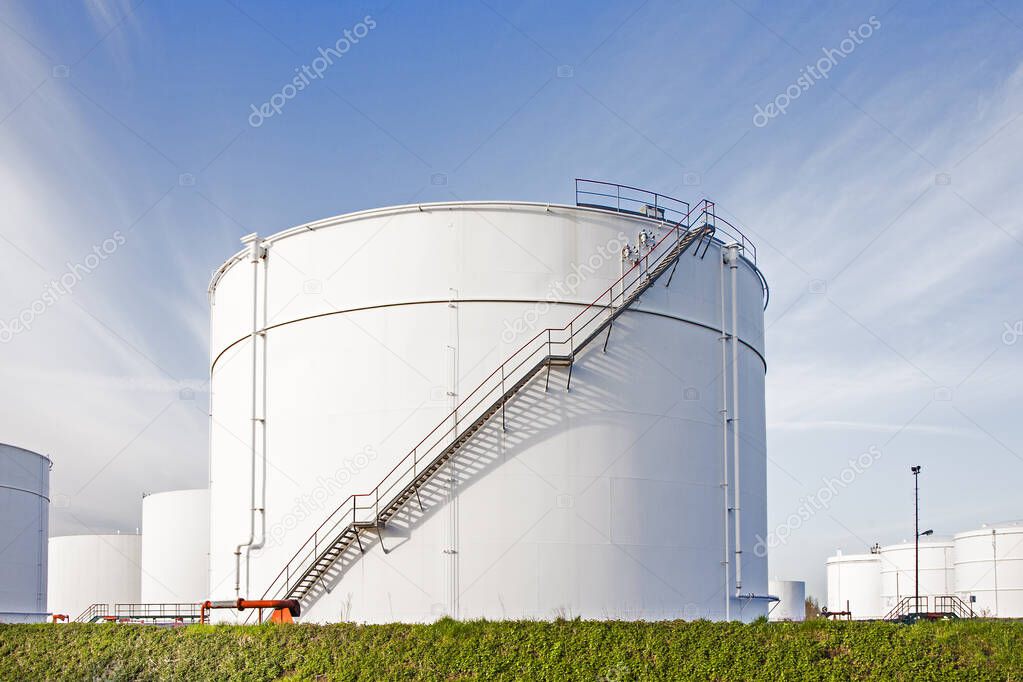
point(209, 445)
point(260, 421)
point(733, 263)
point(994, 564)
point(724, 441)
point(255, 255)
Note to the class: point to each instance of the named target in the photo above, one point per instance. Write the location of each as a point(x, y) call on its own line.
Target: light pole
point(917, 534)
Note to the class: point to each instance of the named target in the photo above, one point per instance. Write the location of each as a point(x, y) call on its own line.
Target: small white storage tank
point(898, 571)
point(93, 569)
point(791, 605)
point(24, 527)
point(175, 546)
point(854, 584)
point(989, 566)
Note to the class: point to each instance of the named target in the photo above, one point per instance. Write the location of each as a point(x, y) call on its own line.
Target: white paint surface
point(602, 502)
point(93, 569)
point(175, 546)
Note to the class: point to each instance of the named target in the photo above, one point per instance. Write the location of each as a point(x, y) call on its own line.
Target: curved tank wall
point(989, 567)
point(93, 569)
point(898, 571)
point(854, 584)
point(175, 546)
point(603, 501)
point(24, 529)
point(791, 604)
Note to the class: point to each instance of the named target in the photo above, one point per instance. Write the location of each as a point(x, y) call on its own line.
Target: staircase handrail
point(92, 612)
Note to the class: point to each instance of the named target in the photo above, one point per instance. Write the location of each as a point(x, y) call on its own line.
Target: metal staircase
point(549, 348)
point(911, 609)
point(94, 613)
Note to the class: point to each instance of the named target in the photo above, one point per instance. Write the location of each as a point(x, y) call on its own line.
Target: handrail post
point(376, 510)
point(504, 401)
point(571, 337)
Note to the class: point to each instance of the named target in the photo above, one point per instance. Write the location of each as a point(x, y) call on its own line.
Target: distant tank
point(898, 572)
point(175, 547)
point(93, 569)
point(24, 532)
point(854, 585)
point(989, 569)
point(791, 604)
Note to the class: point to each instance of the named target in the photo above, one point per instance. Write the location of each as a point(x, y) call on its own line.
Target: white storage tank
point(854, 584)
point(898, 566)
point(989, 569)
point(24, 528)
point(601, 498)
point(175, 547)
point(791, 605)
point(93, 569)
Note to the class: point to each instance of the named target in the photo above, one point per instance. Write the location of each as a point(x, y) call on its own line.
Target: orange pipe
point(285, 610)
point(60, 616)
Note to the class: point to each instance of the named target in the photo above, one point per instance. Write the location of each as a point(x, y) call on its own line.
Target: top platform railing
point(610, 196)
point(631, 200)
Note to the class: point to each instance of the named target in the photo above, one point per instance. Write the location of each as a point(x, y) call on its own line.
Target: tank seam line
point(477, 300)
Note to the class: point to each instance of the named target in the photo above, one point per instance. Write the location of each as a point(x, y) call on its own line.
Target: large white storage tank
point(898, 566)
point(602, 501)
point(24, 528)
point(854, 584)
point(175, 547)
point(989, 567)
point(93, 569)
point(791, 604)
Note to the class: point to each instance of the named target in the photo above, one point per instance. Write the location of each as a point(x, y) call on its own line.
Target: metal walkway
point(139, 612)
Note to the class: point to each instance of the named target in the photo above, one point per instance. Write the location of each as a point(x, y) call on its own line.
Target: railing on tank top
point(631, 200)
point(555, 342)
point(644, 203)
point(611, 196)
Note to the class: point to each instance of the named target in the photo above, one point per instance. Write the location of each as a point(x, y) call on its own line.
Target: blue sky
point(885, 204)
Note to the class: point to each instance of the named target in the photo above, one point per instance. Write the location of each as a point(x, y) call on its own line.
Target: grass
point(520, 650)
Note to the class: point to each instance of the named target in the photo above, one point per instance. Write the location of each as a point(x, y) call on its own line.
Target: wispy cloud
point(872, 427)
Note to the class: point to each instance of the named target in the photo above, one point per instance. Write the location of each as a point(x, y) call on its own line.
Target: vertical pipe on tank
point(994, 564)
point(46, 466)
point(453, 515)
point(733, 263)
point(724, 443)
point(255, 255)
point(261, 423)
point(209, 436)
